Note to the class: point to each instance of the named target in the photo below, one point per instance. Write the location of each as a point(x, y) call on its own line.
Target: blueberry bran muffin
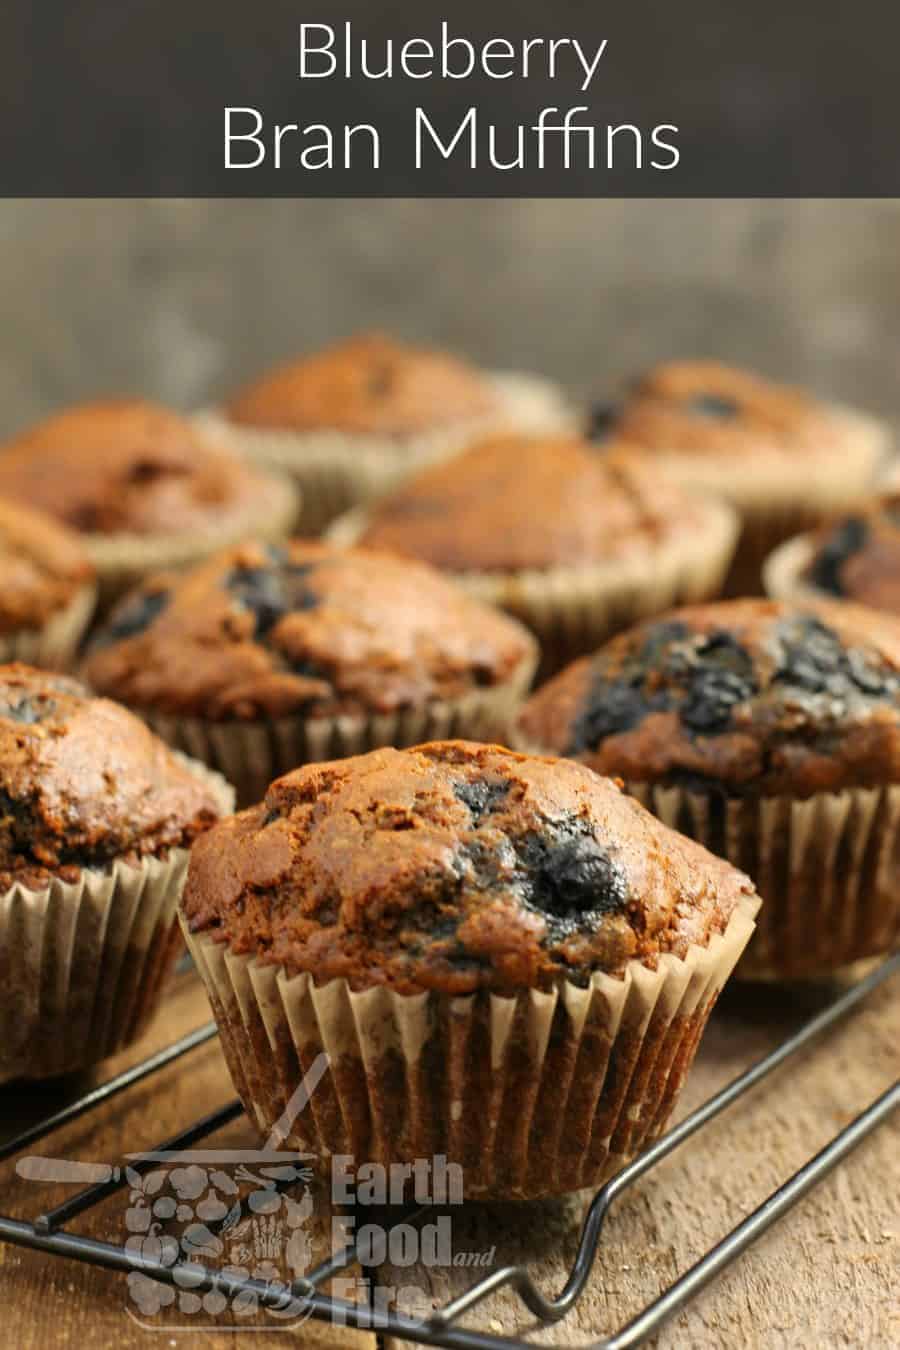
point(269, 656)
point(508, 960)
point(97, 819)
point(771, 733)
point(574, 545)
point(142, 486)
point(48, 589)
point(785, 460)
point(351, 420)
point(855, 557)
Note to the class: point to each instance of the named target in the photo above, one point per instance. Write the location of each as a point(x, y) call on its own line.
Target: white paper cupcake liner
point(784, 568)
point(54, 646)
point(572, 610)
point(531, 1095)
point(337, 470)
point(827, 869)
point(123, 560)
point(85, 963)
point(250, 755)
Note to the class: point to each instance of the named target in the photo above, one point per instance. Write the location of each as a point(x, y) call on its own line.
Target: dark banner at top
point(286, 98)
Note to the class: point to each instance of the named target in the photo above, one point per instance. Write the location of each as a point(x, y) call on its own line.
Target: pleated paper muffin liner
point(54, 646)
point(86, 963)
point(337, 470)
point(777, 496)
point(572, 610)
point(827, 869)
point(123, 560)
point(534, 1094)
point(251, 754)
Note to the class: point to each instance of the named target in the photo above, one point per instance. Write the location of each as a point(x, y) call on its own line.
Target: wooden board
point(827, 1275)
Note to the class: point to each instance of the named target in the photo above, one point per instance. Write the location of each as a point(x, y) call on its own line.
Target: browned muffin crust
point(704, 407)
point(42, 566)
point(126, 466)
point(366, 384)
point(741, 696)
point(515, 503)
point(302, 627)
point(858, 557)
point(84, 783)
point(454, 867)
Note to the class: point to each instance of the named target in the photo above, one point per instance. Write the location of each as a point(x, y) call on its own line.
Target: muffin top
point(366, 384)
point(455, 867)
point(127, 467)
point(749, 695)
point(303, 627)
point(515, 503)
point(706, 408)
point(858, 557)
point(42, 565)
point(84, 783)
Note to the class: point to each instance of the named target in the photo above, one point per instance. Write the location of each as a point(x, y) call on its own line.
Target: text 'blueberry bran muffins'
point(47, 593)
point(771, 733)
point(784, 459)
point(267, 657)
point(142, 486)
point(98, 816)
point(508, 961)
point(352, 420)
point(574, 544)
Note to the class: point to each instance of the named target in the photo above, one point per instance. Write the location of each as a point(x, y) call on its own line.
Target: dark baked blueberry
point(719, 676)
point(568, 878)
point(713, 406)
point(709, 703)
point(133, 616)
point(481, 797)
point(814, 660)
point(845, 540)
point(271, 592)
point(602, 421)
point(612, 706)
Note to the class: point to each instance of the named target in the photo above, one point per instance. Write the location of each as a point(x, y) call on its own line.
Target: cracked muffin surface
point(84, 783)
point(515, 503)
point(125, 466)
point(366, 384)
point(749, 695)
point(302, 627)
point(42, 564)
point(454, 867)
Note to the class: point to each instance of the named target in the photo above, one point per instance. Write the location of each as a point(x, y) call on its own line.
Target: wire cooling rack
point(48, 1231)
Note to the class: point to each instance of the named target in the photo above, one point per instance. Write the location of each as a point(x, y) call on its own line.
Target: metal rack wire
point(47, 1232)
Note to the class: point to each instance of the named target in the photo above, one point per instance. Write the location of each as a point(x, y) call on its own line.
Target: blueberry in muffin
point(98, 817)
point(508, 960)
point(854, 557)
point(269, 656)
point(771, 732)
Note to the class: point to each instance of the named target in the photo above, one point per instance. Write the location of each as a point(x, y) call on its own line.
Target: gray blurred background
point(182, 299)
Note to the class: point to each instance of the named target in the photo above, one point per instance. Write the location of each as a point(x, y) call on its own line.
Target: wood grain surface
point(827, 1275)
